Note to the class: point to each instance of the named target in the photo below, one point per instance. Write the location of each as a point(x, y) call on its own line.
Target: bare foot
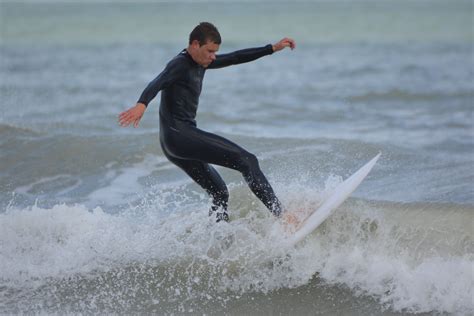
point(290, 222)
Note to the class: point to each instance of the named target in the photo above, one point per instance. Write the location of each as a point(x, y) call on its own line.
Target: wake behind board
point(337, 197)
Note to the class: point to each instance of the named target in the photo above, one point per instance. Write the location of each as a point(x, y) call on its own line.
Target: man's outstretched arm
point(250, 54)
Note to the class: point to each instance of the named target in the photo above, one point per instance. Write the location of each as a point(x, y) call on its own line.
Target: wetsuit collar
point(187, 54)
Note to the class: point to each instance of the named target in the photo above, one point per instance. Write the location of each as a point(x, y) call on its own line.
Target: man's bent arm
point(170, 74)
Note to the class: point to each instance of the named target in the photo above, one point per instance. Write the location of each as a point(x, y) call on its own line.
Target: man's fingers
point(132, 115)
point(286, 42)
point(125, 118)
point(124, 123)
point(124, 113)
point(290, 43)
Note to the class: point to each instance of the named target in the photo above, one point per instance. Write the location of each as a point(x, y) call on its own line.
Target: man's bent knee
point(248, 162)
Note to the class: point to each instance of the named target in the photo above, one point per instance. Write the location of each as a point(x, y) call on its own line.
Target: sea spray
point(81, 256)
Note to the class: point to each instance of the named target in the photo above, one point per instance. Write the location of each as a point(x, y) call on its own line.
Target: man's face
point(205, 54)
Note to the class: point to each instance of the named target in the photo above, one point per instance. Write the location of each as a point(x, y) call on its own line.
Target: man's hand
point(286, 42)
point(132, 115)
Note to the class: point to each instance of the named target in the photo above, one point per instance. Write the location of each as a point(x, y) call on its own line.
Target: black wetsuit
point(193, 149)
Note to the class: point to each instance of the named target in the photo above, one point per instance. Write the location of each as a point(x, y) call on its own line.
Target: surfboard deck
point(330, 204)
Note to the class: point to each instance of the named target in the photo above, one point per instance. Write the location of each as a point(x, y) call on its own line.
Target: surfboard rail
point(335, 199)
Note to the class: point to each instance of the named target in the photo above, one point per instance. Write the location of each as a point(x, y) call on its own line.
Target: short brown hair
point(205, 32)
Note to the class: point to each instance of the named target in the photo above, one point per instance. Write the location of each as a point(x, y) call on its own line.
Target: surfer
point(183, 143)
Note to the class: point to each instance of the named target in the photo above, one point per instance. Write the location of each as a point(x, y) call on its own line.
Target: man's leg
point(210, 180)
point(214, 149)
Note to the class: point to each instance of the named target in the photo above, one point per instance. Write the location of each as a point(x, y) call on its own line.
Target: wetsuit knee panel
point(248, 161)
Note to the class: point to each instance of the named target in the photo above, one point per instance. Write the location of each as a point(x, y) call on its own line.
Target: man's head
point(204, 42)
point(205, 32)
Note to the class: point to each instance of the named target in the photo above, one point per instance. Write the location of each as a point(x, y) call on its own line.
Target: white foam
point(437, 284)
point(363, 250)
point(356, 248)
point(39, 243)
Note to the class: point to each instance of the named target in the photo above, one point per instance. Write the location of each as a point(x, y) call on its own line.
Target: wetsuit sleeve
point(170, 74)
point(241, 56)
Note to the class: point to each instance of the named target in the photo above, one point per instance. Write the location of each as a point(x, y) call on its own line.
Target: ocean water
point(94, 219)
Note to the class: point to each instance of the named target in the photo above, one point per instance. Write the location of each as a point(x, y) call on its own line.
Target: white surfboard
point(337, 197)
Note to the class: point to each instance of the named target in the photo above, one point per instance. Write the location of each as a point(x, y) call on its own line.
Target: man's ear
point(195, 44)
